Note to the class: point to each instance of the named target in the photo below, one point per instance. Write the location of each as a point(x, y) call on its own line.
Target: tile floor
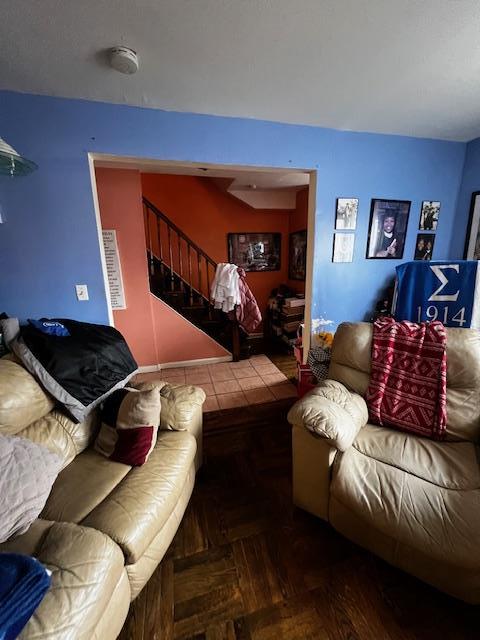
point(232, 384)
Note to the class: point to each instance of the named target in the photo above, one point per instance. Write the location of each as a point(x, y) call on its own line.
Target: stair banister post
point(208, 292)
point(189, 253)
point(180, 266)
point(159, 238)
point(199, 266)
point(149, 239)
point(170, 255)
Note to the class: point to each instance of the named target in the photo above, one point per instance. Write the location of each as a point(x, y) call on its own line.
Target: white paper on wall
point(114, 270)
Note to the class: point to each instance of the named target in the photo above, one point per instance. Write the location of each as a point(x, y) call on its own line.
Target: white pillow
point(28, 472)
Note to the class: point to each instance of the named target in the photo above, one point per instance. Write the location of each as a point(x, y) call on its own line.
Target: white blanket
point(225, 291)
point(28, 472)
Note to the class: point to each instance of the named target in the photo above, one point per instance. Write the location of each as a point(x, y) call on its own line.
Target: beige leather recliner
point(412, 501)
point(106, 525)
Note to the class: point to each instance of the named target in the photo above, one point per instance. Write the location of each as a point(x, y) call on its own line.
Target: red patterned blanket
point(408, 380)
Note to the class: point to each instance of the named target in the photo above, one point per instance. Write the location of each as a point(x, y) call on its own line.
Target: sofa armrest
point(179, 403)
point(181, 410)
point(331, 411)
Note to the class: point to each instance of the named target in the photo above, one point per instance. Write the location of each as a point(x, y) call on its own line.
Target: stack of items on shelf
point(286, 313)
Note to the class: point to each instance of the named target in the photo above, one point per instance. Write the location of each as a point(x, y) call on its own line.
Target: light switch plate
point(82, 291)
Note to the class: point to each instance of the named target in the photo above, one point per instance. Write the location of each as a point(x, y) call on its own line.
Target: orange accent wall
point(207, 214)
point(155, 333)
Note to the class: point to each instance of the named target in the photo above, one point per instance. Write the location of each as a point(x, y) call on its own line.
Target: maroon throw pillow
point(129, 425)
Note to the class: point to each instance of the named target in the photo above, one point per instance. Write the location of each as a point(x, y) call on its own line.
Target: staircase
point(181, 274)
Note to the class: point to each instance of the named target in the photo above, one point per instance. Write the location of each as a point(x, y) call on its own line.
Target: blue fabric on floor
point(23, 583)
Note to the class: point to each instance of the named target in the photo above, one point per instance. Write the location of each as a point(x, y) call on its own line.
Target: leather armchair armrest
point(331, 411)
point(180, 403)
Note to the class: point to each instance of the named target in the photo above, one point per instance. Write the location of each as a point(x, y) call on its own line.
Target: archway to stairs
point(157, 254)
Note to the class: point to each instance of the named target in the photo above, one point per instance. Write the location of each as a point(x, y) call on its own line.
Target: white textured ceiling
point(394, 66)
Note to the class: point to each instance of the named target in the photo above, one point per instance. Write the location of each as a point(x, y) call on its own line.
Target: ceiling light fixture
point(12, 163)
point(124, 60)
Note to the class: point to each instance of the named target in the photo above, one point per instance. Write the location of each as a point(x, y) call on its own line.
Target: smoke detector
point(124, 60)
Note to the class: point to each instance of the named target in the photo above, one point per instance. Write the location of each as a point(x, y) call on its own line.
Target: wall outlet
point(82, 291)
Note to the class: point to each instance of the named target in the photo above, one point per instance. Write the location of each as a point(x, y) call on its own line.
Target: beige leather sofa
point(410, 500)
point(106, 525)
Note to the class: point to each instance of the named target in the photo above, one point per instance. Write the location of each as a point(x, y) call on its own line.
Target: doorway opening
point(172, 223)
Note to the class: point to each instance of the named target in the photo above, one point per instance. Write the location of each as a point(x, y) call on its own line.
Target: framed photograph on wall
point(346, 213)
point(297, 255)
point(472, 241)
point(424, 246)
point(387, 228)
point(255, 251)
point(343, 244)
point(429, 215)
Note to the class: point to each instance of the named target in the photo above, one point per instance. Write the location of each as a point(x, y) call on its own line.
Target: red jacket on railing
point(248, 312)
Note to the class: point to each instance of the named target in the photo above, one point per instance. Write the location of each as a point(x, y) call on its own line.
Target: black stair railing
point(184, 261)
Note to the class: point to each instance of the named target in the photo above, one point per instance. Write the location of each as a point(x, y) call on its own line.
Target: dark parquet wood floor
point(247, 565)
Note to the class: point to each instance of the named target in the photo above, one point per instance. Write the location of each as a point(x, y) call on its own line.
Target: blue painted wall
point(470, 183)
point(49, 242)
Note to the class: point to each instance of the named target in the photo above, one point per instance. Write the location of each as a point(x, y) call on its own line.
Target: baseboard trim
point(184, 363)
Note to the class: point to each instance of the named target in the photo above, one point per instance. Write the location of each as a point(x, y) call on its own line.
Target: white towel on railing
point(225, 291)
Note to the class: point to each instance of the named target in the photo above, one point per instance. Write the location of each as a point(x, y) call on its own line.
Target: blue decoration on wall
point(439, 290)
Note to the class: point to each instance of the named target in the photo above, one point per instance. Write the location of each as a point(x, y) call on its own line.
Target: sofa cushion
point(27, 474)
point(138, 507)
point(411, 508)
point(452, 465)
point(86, 570)
point(129, 425)
point(22, 399)
point(82, 486)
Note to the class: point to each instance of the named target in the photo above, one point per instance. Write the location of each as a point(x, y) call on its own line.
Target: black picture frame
point(255, 250)
point(424, 246)
point(349, 222)
point(472, 238)
point(297, 255)
point(429, 215)
point(380, 210)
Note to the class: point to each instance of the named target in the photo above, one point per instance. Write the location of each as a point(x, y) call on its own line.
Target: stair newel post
point(189, 254)
point(170, 252)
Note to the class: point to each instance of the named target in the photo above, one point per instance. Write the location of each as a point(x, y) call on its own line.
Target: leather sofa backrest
point(22, 399)
point(26, 410)
point(350, 365)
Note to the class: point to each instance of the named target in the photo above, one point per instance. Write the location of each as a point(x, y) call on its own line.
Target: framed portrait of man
point(388, 228)
point(429, 215)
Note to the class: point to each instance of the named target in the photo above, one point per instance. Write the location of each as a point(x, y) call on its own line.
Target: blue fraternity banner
point(448, 291)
